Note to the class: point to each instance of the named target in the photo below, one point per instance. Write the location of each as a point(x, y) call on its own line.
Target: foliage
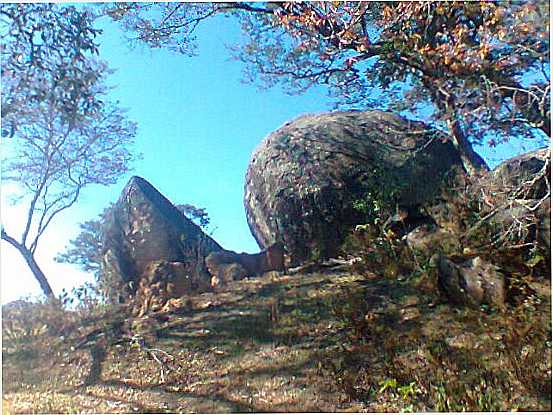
point(46, 50)
point(380, 249)
point(87, 249)
point(370, 207)
point(64, 132)
point(468, 211)
point(482, 66)
point(464, 58)
point(448, 376)
point(198, 215)
point(26, 322)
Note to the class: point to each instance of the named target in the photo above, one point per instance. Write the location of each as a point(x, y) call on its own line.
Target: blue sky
point(197, 127)
point(198, 124)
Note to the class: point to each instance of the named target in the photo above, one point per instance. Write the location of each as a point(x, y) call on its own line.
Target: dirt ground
point(320, 342)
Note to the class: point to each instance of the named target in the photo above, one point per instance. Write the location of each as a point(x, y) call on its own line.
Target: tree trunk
point(33, 266)
point(445, 102)
point(472, 162)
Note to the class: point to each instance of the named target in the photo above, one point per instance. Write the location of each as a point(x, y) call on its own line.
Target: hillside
point(329, 340)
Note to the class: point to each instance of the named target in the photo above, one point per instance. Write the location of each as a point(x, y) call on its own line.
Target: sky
point(198, 125)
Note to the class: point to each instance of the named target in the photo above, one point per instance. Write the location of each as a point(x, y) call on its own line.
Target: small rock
point(473, 282)
point(463, 340)
point(410, 313)
point(429, 238)
point(410, 300)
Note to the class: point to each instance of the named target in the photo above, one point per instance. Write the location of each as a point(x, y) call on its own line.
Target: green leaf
point(387, 384)
point(535, 260)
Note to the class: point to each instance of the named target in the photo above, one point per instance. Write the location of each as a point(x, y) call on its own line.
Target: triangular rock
point(144, 231)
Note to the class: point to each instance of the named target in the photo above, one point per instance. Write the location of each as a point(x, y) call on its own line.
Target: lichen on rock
point(148, 241)
point(303, 179)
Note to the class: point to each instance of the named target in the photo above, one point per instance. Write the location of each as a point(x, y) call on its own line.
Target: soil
point(325, 341)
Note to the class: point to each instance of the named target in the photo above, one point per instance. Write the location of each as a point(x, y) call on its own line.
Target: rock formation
point(518, 190)
point(225, 266)
point(149, 244)
point(427, 239)
point(222, 274)
point(518, 173)
point(472, 282)
point(515, 200)
point(304, 179)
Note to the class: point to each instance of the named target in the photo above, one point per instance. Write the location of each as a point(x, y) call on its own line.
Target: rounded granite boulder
point(315, 177)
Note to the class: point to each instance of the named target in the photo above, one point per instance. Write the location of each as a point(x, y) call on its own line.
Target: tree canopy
point(483, 67)
point(64, 133)
point(45, 52)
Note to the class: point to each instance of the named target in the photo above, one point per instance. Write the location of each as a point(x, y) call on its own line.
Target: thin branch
point(179, 5)
point(246, 7)
point(52, 215)
point(12, 241)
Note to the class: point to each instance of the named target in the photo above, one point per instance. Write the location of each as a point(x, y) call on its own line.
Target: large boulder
point(522, 173)
point(148, 242)
point(304, 179)
point(517, 195)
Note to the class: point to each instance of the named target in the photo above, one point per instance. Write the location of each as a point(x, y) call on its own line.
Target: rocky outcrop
point(513, 204)
point(304, 180)
point(472, 282)
point(522, 174)
point(225, 266)
point(517, 193)
point(428, 238)
point(150, 243)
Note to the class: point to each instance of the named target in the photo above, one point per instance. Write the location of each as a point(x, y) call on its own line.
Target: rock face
point(304, 179)
point(473, 282)
point(226, 273)
point(427, 238)
point(225, 266)
point(544, 225)
point(514, 172)
point(518, 189)
point(150, 243)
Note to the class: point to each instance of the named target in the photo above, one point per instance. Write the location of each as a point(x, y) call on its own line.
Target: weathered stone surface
point(472, 282)
point(225, 266)
point(171, 278)
point(302, 179)
point(428, 238)
point(149, 242)
point(517, 190)
point(226, 273)
point(518, 173)
point(544, 224)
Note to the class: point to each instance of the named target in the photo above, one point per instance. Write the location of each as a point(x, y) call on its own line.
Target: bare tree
point(61, 131)
point(52, 160)
point(58, 149)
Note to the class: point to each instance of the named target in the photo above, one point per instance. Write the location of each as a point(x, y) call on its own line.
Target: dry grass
point(318, 342)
